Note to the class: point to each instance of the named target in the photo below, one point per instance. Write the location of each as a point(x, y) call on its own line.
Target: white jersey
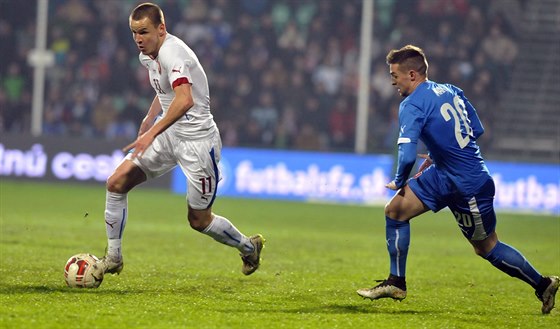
point(177, 64)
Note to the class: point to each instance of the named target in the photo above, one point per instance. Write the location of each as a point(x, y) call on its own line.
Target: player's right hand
point(392, 186)
point(139, 145)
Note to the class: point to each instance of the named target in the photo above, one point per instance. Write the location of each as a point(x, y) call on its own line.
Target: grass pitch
point(316, 256)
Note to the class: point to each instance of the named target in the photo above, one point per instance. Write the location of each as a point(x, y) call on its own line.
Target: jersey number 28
point(459, 114)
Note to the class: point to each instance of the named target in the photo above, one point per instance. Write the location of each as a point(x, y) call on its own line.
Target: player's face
point(402, 80)
point(148, 38)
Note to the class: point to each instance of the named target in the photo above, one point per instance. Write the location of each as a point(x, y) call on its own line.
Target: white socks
point(223, 231)
point(116, 213)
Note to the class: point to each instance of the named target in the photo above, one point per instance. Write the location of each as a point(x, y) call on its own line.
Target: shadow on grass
point(45, 289)
point(333, 308)
point(357, 309)
point(108, 289)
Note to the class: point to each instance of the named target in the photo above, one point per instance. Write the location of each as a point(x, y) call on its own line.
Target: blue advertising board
point(361, 179)
point(526, 186)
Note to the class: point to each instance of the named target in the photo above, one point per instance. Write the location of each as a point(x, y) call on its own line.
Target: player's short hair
point(150, 10)
point(410, 58)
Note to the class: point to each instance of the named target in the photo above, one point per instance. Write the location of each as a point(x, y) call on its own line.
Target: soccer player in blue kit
point(453, 175)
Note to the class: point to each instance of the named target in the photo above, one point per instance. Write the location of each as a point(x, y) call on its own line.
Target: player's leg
point(510, 261)
point(477, 219)
point(222, 230)
point(507, 259)
point(155, 161)
point(122, 180)
point(219, 228)
point(422, 193)
point(404, 206)
point(200, 164)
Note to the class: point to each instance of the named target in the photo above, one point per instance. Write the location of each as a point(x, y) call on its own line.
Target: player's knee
point(196, 225)
point(483, 247)
point(120, 183)
point(391, 211)
point(198, 221)
point(115, 184)
point(123, 181)
point(480, 252)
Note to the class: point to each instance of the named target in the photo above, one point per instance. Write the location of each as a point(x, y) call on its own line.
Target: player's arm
point(150, 118)
point(405, 163)
point(411, 121)
point(181, 103)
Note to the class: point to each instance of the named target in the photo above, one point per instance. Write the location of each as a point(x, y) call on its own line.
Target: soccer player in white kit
point(177, 130)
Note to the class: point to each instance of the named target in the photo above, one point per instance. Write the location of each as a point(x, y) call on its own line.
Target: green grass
point(315, 258)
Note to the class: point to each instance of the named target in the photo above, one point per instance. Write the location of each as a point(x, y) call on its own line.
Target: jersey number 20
point(458, 112)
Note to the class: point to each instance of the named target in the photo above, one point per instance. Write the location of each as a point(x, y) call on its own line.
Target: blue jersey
point(446, 122)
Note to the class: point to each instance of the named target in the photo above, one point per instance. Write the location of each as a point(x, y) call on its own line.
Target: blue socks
point(397, 234)
point(510, 261)
point(504, 257)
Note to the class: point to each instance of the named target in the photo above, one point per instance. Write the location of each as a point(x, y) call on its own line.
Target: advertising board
point(361, 179)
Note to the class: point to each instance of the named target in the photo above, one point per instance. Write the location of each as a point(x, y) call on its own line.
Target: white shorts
point(198, 160)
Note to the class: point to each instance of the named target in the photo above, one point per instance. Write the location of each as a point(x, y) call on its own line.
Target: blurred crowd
point(282, 73)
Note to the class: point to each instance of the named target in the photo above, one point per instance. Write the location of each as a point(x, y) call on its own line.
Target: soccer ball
point(78, 271)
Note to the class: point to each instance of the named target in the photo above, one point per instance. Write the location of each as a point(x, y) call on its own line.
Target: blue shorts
point(474, 214)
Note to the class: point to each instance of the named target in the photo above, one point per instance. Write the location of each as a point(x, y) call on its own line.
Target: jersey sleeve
point(406, 160)
point(411, 120)
point(176, 63)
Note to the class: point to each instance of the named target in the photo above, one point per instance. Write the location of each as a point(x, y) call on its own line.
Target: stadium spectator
point(13, 83)
point(286, 129)
point(78, 115)
point(53, 119)
point(308, 138)
point(501, 50)
point(328, 74)
point(122, 127)
point(265, 114)
point(342, 123)
point(291, 40)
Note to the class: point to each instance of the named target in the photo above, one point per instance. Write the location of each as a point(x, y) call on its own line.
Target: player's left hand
point(427, 162)
point(392, 186)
